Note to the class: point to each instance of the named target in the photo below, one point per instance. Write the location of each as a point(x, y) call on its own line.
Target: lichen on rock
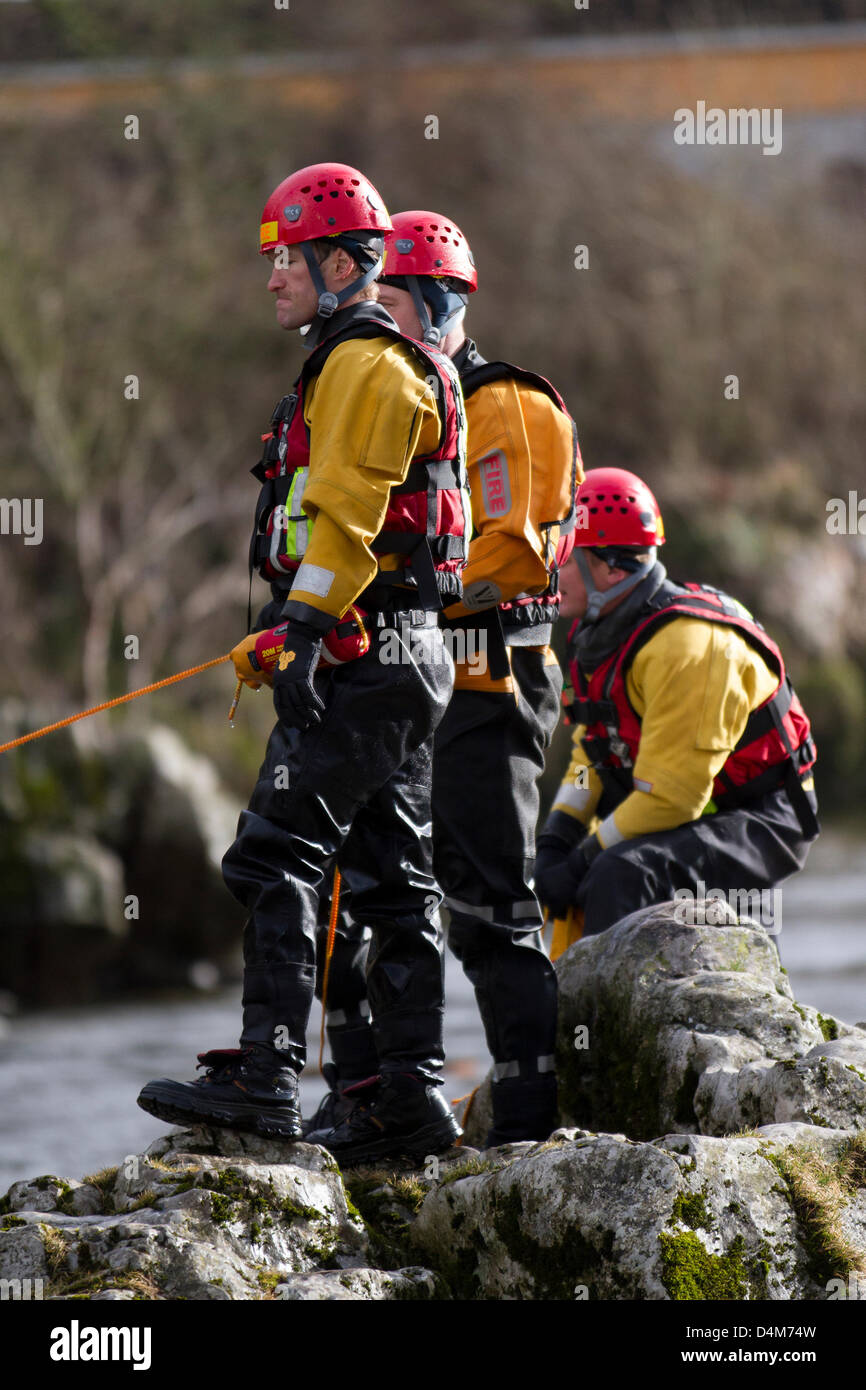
point(714, 1148)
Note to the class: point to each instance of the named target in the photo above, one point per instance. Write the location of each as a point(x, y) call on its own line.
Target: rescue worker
point(361, 504)
point(524, 466)
point(692, 756)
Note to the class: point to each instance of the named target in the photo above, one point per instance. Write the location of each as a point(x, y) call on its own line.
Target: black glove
point(295, 700)
point(561, 863)
point(270, 615)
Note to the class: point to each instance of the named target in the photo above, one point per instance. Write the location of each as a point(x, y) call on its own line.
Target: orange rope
point(329, 951)
point(109, 704)
point(470, 1096)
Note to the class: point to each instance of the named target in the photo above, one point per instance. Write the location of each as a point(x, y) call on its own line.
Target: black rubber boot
point(334, 1106)
point(394, 1114)
point(242, 1088)
point(522, 1110)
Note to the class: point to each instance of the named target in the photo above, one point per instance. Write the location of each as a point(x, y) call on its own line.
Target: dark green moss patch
point(555, 1269)
point(691, 1209)
point(690, 1272)
point(829, 1028)
point(296, 1211)
point(223, 1209)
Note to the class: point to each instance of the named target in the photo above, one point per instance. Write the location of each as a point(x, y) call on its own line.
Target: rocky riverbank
point(714, 1147)
point(111, 839)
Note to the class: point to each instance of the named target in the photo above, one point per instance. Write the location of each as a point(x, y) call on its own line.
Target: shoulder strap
point(479, 373)
point(476, 372)
point(703, 602)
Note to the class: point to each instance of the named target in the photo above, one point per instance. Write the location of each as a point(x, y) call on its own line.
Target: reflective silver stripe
point(471, 909)
point(314, 579)
point(501, 1070)
point(338, 1018)
point(279, 523)
point(546, 1064)
point(525, 909)
point(518, 911)
point(641, 785)
point(571, 795)
point(609, 833)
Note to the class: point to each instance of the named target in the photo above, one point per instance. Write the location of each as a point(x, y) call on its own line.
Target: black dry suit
point(364, 771)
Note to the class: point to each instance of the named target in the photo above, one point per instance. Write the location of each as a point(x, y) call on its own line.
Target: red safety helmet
point(616, 508)
point(321, 200)
point(425, 243)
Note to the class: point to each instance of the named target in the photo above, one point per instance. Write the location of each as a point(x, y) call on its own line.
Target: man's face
point(296, 297)
point(573, 589)
point(399, 304)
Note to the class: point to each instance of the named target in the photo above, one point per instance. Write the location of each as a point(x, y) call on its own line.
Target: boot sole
point(423, 1143)
point(156, 1100)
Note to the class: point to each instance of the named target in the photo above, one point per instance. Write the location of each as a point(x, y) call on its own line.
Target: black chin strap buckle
point(432, 336)
point(328, 304)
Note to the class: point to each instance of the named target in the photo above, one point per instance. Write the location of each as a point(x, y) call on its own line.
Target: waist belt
point(411, 617)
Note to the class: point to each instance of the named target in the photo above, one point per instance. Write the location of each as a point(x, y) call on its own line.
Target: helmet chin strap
point(430, 334)
point(329, 302)
point(599, 598)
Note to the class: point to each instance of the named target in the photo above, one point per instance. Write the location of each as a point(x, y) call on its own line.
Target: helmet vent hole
point(306, 188)
point(334, 193)
point(350, 192)
point(318, 197)
point(609, 509)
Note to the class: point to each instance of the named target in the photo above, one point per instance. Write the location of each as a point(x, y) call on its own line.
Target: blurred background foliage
point(70, 29)
point(140, 257)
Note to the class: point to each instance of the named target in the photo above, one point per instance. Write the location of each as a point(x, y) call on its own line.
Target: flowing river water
point(69, 1078)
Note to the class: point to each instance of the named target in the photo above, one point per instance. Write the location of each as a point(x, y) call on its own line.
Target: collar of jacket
point(366, 311)
point(595, 642)
point(467, 357)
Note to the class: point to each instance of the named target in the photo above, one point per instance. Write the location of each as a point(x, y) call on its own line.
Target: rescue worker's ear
point(341, 264)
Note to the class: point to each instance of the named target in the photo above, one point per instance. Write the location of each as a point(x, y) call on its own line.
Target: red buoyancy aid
point(776, 748)
point(428, 518)
point(475, 372)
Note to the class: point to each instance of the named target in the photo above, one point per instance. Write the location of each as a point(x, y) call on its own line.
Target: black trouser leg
point(740, 853)
point(312, 788)
point(347, 1012)
point(489, 754)
point(387, 861)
